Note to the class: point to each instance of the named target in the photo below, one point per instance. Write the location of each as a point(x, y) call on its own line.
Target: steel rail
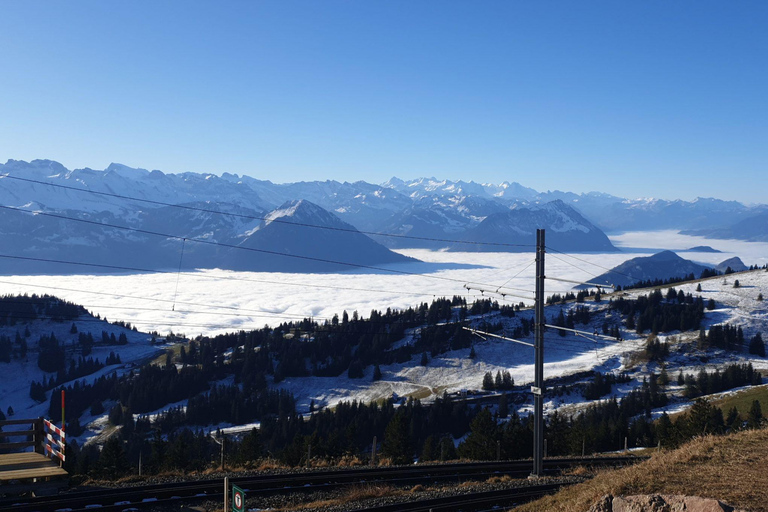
point(265, 485)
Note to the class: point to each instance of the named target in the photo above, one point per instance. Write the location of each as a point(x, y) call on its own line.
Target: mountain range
point(242, 223)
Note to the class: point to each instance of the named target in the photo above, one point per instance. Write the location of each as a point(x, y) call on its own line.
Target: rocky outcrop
point(660, 503)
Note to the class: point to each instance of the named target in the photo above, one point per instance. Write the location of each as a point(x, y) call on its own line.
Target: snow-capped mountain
point(359, 203)
point(566, 230)
point(116, 180)
point(415, 210)
point(291, 230)
point(189, 220)
point(426, 187)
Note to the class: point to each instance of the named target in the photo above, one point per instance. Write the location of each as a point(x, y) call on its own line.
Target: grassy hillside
point(729, 468)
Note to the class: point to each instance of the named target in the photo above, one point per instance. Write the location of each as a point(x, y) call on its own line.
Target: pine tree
point(424, 359)
point(480, 444)
point(755, 417)
point(430, 450)
point(488, 382)
point(698, 287)
point(376, 373)
point(756, 345)
point(112, 461)
point(397, 443)
point(472, 353)
point(733, 420)
point(503, 406)
point(447, 449)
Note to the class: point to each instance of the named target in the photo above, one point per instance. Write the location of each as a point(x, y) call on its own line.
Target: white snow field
point(214, 301)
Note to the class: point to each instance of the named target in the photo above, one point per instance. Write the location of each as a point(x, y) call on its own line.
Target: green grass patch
point(743, 400)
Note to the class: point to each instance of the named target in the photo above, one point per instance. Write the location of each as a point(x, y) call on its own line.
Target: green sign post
point(238, 499)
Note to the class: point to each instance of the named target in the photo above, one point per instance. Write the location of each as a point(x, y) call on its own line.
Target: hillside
point(663, 265)
point(728, 468)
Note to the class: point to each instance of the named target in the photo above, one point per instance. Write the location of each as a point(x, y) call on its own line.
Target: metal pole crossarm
point(498, 288)
point(586, 334)
point(596, 285)
point(482, 333)
point(483, 290)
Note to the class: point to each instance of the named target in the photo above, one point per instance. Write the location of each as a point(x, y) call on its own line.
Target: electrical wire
point(254, 217)
point(587, 262)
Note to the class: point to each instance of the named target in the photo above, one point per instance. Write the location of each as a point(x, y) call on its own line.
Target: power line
point(588, 263)
point(253, 217)
point(230, 246)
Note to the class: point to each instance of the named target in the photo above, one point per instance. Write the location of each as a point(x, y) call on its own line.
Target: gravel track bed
point(400, 495)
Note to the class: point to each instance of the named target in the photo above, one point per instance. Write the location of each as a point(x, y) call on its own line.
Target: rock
point(648, 503)
point(603, 504)
point(660, 503)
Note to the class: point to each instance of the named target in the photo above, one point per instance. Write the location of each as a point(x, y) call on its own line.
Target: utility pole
point(538, 345)
point(538, 387)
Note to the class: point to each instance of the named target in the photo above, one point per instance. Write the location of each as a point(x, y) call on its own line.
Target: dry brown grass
point(728, 468)
point(503, 479)
point(417, 488)
point(578, 471)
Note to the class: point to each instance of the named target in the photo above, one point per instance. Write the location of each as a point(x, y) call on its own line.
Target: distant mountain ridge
point(220, 224)
point(425, 212)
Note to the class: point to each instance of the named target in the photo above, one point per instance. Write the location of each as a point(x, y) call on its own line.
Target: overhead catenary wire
point(237, 247)
point(582, 333)
point(255, 217)
point(482, 333)
point(520, 272)
point(579, 282)
point(613, 271)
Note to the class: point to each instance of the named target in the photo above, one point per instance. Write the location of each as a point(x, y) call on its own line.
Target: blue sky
point(652, 98)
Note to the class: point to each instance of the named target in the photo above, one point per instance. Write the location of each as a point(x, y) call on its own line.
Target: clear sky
point(645, 98)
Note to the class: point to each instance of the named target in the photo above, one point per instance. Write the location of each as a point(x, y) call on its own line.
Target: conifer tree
point(503, 406)
point(112, 461)
point(430, 449)
point(488, 381)
point(480, 444)
point(398, 444)
point(755, 417)
point(756, 345)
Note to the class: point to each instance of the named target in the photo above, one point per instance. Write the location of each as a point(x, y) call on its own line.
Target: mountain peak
point(125, 171)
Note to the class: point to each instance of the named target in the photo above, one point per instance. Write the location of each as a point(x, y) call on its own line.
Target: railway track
point(488, 500)
point(134, 498)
